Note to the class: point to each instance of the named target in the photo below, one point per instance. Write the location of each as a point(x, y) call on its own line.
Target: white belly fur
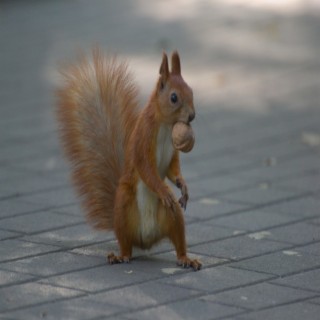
point(147, 200)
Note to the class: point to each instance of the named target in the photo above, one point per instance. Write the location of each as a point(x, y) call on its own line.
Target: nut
point(182, 137)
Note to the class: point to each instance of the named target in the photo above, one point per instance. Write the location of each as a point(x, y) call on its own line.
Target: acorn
point(182, 137)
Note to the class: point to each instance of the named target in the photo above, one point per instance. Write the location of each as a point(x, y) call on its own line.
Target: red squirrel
point(122, 154)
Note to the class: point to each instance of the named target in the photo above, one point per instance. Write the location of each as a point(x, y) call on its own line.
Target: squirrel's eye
point(174, 98)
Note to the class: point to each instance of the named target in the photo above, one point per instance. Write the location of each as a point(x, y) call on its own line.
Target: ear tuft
point(164, 68)
point(175, 61)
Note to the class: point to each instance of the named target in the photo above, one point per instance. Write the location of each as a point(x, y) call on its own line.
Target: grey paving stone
point(7, 192)
point(10, 176)
point(96, 248)
point(309, 280)
point(17, 152)
point(20, 134)
point(259, 195)
point(201, 232)
point(216, 279)
point(294, 311)
point(101, 277)
point(253, 220)
point(8, 277)
point(315, 221)
point(74, 209)
point(34, 183)
point(143, 295)
point(53, 198)
point(27, 294)
point(207, 166)
point(276, 150)
point(313, 248)
point(307, 161)
point(16, 249)
point(263, 173)
point(80, 308)
point(282, 170)
point(239, 139)
point(14, 206)
point(38, 222)
point(209, 207)
point(52, 263)
point(209, 185)
point(48, 163)
point(314, 301)
point(4, 234)
point(238, 247)
point(307, 183)
point(186, 309)
point(71, 236)
point(302, 207)
point(298, 233)
point(258, 296)
point(280, 263)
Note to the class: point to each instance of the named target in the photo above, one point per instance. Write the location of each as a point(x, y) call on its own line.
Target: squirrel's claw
point(186, 262)
point(183, 202)
point(113, 259)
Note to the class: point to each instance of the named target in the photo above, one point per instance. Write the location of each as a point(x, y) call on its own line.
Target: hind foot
point(112, 259)
point(186, 262)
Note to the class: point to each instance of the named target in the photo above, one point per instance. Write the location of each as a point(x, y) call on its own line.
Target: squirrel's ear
point(164, 68)
point(175, 61)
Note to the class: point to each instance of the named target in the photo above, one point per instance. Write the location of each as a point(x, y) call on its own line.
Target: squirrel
point(121, 154)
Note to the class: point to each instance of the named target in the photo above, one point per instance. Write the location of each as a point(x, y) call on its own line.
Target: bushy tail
point(97, 109)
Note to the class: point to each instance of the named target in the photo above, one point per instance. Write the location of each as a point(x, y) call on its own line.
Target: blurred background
point(239, 53)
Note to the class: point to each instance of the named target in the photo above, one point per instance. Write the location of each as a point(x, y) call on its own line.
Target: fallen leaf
point(311, 139)
point(209, 201)
point(259, 235)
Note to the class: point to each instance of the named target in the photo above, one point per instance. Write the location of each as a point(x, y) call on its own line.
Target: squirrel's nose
point(192, 116)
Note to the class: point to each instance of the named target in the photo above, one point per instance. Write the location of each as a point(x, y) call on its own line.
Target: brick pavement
point(254, 175)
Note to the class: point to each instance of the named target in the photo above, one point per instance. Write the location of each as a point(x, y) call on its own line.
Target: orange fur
point(96, 110)
point(121, 155)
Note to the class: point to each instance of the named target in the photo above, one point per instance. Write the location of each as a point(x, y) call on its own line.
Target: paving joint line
point(252, 207)
point(202, 294)
point(275, 306)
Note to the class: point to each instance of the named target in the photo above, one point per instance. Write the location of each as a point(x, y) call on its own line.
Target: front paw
point(184, 193)
point(183, 201)
point(168, 200)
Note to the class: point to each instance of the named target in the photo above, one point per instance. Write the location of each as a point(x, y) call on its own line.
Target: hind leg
point(175, 231)
point(125, 246)
point(123, 224)
point(125, 254)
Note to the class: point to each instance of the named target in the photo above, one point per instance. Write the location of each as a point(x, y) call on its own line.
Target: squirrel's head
point(174, 96)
